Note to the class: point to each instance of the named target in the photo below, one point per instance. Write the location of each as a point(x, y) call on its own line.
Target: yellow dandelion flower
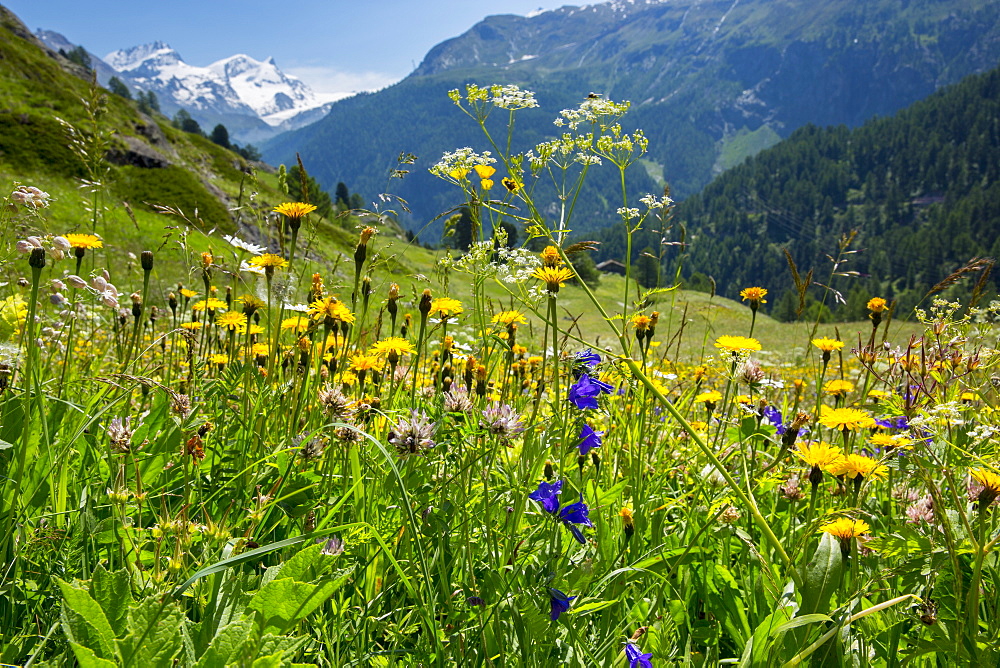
point(297, 323)
point(711, 397)
point(846, 528)
point(192, 326)
point(846, 419)
point(361, 362)
point(260, 350)
point(855, 465)
point(818, 454)
point(251, 303)
point(445, 307)
point(84, 241)
point(269, 261)
point(641, 322)
point(331, 307)
point(877, 305)
point(188, 294)
point(509, 318)
point(737, 344)
point(210, 304)
point(294, 209)
point(838, 388)
point(877, 395)
point(219, 358)
point(987, 479)
point(828, 345)
point(392, 347)
point(754, 295)
point(232, 320)
point(889, 441)
point(554, 277)
point(550, 257)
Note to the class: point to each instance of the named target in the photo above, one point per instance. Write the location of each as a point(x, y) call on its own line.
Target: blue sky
point(335, 46)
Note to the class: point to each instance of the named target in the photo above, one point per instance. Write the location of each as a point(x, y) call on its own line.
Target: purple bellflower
point(589, 439)
point(547, 495)
point(558, 603)
point(583, 394)
point(636, 659)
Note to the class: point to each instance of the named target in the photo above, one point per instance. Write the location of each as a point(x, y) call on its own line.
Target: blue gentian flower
point(558, 603)
point(547, 494)
point(636, 659)
point(589, 439)
point(583, 394)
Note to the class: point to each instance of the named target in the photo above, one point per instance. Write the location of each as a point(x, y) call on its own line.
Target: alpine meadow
point(644, 333)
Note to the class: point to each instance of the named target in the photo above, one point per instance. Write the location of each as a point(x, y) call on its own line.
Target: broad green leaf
point(284, 645)
point(822, 576)
point(153, 636)
point(113, 593)
point(282, 603)
point(757, 650)
point(273, 661)
point(227, 644)
point(84, 622)
point(87, 659)
point(306, 565)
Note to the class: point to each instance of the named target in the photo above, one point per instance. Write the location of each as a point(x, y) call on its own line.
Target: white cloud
point(331, 83)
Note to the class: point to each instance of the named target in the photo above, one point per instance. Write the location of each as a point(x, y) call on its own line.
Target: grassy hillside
point(86, 147)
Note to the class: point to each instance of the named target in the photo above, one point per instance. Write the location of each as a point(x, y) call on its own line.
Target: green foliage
point(78, 55)
point(773, 68)
point(342, 196)
point(921, 188)
point(647, 269)
point(174, 187)
point(585, 268)
point(308, 190)
point(148, 103)
point(183, 121)
point(220, 136)
point(118, 87)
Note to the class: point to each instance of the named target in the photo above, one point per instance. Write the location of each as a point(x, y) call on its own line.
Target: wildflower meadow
point(231, 450)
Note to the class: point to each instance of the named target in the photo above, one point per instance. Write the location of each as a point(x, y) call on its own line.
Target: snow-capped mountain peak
point(239, 84)
point(125, 60)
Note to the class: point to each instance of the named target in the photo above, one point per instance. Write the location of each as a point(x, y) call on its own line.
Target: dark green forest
point(919, 188)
